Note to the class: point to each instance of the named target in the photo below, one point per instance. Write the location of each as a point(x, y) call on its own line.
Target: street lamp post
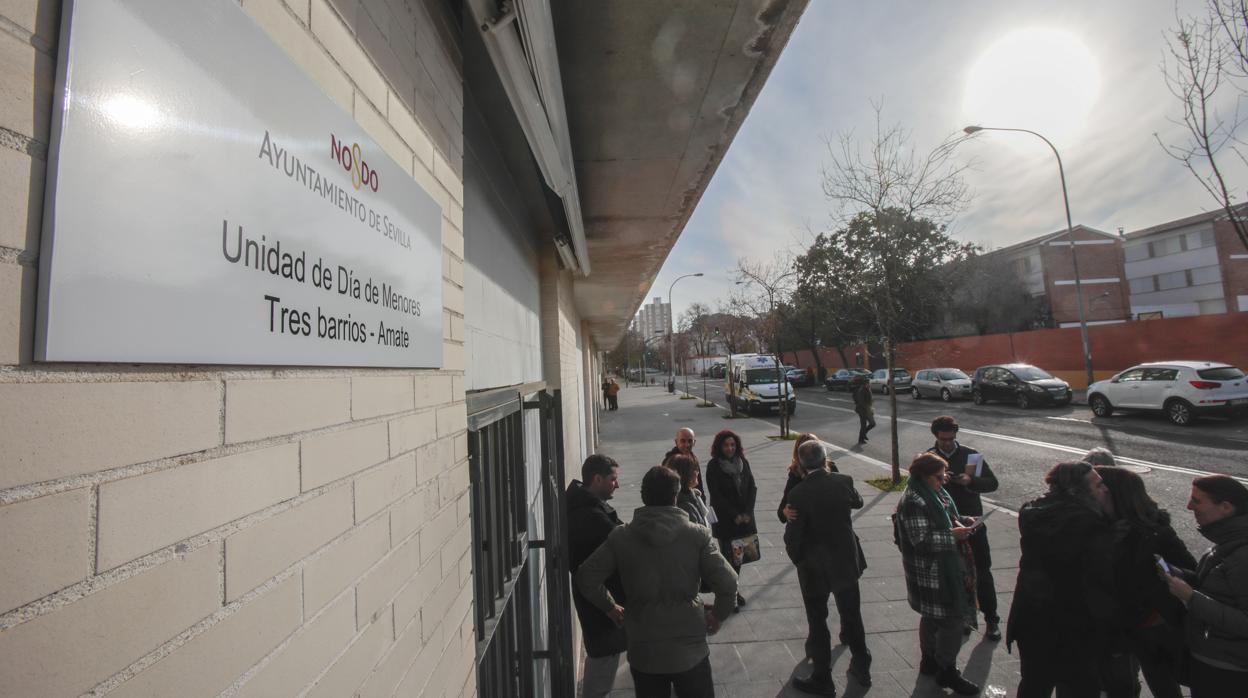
point(1070, 233)
point(671, 345)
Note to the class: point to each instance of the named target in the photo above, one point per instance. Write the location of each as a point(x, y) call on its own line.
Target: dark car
point(842, 379)
point(1023, 384)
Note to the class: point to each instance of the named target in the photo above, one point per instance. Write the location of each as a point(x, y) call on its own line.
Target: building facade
point(654, 318)
point(1190, 266)
point(288, 527)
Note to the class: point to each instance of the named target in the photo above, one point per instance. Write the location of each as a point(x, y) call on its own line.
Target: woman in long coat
point(940, 576)
point(730, 485)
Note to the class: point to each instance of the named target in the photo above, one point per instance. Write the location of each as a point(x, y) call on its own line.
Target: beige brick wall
point(204, 531)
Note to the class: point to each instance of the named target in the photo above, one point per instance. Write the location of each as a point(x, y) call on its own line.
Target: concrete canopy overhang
point(655, 91)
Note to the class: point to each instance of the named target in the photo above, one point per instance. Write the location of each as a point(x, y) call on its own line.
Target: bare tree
point(887, 174)
point(895, 204)
point(695, 323)
point(772, 283)
point(1206, 57)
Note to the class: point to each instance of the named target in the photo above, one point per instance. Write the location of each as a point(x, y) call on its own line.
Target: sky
point(1087, 75)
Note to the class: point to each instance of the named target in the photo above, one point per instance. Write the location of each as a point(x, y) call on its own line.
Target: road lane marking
point(1071, 419)
point(1045, 444)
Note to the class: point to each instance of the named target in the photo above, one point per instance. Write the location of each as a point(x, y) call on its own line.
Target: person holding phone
point(1150, 622)
point(969, 475)
point(940, 579)
point(1216, 592)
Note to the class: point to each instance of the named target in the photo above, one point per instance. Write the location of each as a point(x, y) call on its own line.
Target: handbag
point(745, 550)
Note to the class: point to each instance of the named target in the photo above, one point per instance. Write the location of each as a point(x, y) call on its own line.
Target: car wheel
point(914, 393)
point(1180, 412)
point(828, 386)
point(978, 398)
point(1022, 401)
point(946, 395)
point(1100, 406)
point(883, 390)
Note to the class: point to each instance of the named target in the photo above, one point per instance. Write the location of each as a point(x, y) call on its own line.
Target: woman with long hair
point(1065, 603)
point(690, 499)
point(1150, 619)
point(730, 484)
point(940, 577)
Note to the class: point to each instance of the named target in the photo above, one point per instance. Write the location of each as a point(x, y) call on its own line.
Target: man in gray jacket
point(662, 560)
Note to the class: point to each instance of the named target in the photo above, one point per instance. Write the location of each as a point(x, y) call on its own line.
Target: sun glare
point(1040, 79)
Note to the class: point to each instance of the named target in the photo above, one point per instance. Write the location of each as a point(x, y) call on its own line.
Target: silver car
point(945, 383)
point(901, 380)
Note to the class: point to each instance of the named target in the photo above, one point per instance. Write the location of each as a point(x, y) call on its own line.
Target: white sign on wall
point(208, 203)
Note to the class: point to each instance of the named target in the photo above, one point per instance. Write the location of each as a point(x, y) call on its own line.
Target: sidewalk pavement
point(759, 649)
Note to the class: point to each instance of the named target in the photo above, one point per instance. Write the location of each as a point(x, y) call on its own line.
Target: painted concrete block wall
point(562, 355)
point(203, 531)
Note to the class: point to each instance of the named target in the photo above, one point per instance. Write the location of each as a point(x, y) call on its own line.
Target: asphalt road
point(1021, 445)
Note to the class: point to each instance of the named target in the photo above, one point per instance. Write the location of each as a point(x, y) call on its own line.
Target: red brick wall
point(1095, 262)
point(1114, 347)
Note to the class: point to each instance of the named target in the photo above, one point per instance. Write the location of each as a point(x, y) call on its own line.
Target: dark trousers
point(692, 683)
point(985, 587)
point(1212, 682)
point(1045, 667)
point(819, 638)
point(866, 422)
point(1155, 650)
point(613, 402)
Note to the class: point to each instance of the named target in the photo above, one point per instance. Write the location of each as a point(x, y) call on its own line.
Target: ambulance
point(751, 384)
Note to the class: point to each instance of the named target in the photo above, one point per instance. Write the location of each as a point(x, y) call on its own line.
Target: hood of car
point(1049, 383)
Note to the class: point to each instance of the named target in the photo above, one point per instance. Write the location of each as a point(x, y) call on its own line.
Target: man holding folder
point(969, 475)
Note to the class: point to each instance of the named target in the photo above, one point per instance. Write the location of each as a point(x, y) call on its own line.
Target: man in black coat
point(822, 543)
point(590, 521)
point(969, 475)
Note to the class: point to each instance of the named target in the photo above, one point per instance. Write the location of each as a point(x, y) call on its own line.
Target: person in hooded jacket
point(731, 489)
point(662, 560)
point(1150, 619)
point(1216, 592)
point(1064, 600)
point(590, 521)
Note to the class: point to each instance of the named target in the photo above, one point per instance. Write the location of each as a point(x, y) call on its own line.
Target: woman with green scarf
point(940, 574)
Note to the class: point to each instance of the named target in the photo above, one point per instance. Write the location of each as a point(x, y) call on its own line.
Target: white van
point(750, 383)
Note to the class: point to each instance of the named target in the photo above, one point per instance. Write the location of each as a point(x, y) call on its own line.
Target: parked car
point(879, 380)
point(798, 376)
point(716, 370)
point(1023, 384)
point(842, 378)
point(1183, 390)
point(945, 383)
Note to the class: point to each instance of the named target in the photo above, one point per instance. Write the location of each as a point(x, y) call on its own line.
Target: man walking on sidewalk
point(590, 521)
point(822, 544)
point(863, 405)
point(662, 559)
point(969, 475)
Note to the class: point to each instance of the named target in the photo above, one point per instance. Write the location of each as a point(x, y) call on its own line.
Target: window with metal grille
point(520, 577)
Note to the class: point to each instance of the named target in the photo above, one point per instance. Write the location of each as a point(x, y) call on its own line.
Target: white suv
point(1182, 389)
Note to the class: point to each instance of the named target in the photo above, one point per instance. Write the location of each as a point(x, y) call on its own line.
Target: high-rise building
point(653, 319)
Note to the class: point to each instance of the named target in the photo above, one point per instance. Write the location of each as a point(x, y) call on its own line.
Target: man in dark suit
point(822, 543)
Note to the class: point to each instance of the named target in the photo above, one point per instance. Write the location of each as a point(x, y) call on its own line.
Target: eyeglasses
point(947, 430)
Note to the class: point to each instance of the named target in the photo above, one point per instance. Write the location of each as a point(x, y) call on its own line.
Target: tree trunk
point(892, 404)
point(844, 359)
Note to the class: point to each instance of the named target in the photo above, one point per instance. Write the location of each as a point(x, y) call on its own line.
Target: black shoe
point(950, 677)
point(842, 639)
point(993, 632)
point(928, 666)
point(818, 688)
point(860, 670)
point(740, 600)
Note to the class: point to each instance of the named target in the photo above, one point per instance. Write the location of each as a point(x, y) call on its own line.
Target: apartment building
point(1189, 266)
point(653, 319)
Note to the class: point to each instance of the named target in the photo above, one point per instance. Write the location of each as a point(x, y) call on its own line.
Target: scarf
point(736, 470)
point(953, 579)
